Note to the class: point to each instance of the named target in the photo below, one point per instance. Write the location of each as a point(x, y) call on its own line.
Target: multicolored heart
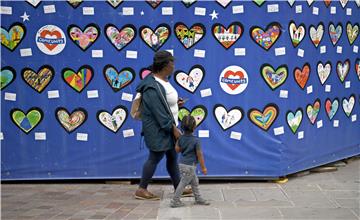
point(294, 120)
point(199, 112)
point(264, 119)
point(7, 76)
point(154, 3)
point(155, 39)
point(266, 39)
point(323, 71)
point(316, 34)
point(74, 3)
point(228, 119)
point(312, 111)
point(302, 75)
point(348, 105)
point(120, 38)
point(12, 37)
point(38, 80)
point(259, 2)
point(227, 36)
point(223, 3)
point(115, 3)
point(70, 122)
point(343, 3)
point(189, 37)
point(26, 122)
point(80, 79)
point(274, 78)
point(331, 107)
point(352, 32)
point(118, 80)
point(188, 3)
point(144, 72)
point(342, 69)
point(115, 120)
point(190, 81)
point(297, 33)
point(335, 33)
point(357, 67)
point(84, 39)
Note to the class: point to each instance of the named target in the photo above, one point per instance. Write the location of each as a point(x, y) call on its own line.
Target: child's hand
point(204, 170)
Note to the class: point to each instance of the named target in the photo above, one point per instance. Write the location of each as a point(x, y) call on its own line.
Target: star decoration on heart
point(25, 17)
point(214, 15)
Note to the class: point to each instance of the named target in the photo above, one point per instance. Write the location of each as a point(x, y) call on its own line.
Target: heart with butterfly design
point(120, 38)
point(27, 122)
point(264, 119)
point(199, 112)
point(70, 122)
point(115, 120)
point(118, 80)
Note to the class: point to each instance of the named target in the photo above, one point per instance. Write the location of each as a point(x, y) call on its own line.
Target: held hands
point(176, 132)
point(181, 102)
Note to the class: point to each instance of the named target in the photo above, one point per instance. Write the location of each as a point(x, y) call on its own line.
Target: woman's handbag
point(135, 111)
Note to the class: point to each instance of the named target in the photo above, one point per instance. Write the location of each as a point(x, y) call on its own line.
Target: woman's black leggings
point(152, 162)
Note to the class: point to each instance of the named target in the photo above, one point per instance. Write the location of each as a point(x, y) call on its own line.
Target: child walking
point(191, 154)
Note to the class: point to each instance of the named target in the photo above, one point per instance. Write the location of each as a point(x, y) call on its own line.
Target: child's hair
point(188, 124)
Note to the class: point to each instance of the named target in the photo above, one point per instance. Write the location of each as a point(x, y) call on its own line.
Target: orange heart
point(302, 76)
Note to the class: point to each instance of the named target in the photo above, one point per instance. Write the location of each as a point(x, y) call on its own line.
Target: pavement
point(329, 195)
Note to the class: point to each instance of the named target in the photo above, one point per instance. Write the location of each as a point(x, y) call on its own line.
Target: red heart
point(51, 33)
point(302, 76)
point(231, 73)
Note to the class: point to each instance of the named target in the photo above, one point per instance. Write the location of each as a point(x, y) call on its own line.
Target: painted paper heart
point(266, 39)
point(297, 33)
point(291, 2)
point(316, 34)
point(144, 72)
point(188, 3)
point(80, 79)
point(273, 78)
point(223, 3)
point(12, 37)
point(189, 37)
point(84, 39)
point(302, 75)
point(155, 39)
point(335, 33)
point(357, 3)
point(228, 119)
point(357, 67)
point(331, 107)
point(327, 3)
point(190, 81)
point(7, 76)
point(26, 122)
point(154, 3)
point(120, 38)
point(352, 32)
point(312, 111)
point(348, 105)
point(70, 122)
point(74, 3)
point(264, 119)
point(310, 2)
point(118, 80)
point(343, 3)
point(259, 2)
point(199, 112)
point(227, 36)
point(342, 69)
point(294, 120)
point(38, 80)
point(34, 3)
point(115, 120)
point(115, 3)
point(323, 71)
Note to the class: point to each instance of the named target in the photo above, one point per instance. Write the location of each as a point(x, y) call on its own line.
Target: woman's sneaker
point(176, 204)
point(202, 202)
point(143, 194)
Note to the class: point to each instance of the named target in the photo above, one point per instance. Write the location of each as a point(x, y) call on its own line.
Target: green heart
point(26, 122)
point(294, 120)
point(198, 112)
point(352, 32)
point(259, 2)
point(274, 78)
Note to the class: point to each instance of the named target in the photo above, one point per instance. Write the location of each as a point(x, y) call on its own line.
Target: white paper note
point(235, 135)
point(298, 9)
point(280, 51)
point(81, 136)
point(316, 11)
point(309, 89)
point(300, 134)
point(26, 52)
point(238, 9)
point(127, 97)
point(339, 49)
point(323, 49)
point(204, 133)
point(40, 136)
point(91, 94)
point(206, 92)
point(319, 124)
point(284, 94)
point(240, 51)
point(53, 94)
point(200, 11)
point(97, 53)
point(88, 11)
point(327, 88)
point(128, 11)
point(279, 130)
point(199, 53)
point(171, 51)
point(10, 96)
point(336, 123)
point(353, 118)
point(167, 11)
point(333, 10)
point(131, 54)
point(347, 84)
point(355, 49)
point(128, 133)
point(300, 52)
point(4, 10)
point(349, 11)
point(1, 136)
point(273, 8)
point(48, 9)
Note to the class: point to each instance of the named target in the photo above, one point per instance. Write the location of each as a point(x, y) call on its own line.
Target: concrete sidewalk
point(332, 195)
